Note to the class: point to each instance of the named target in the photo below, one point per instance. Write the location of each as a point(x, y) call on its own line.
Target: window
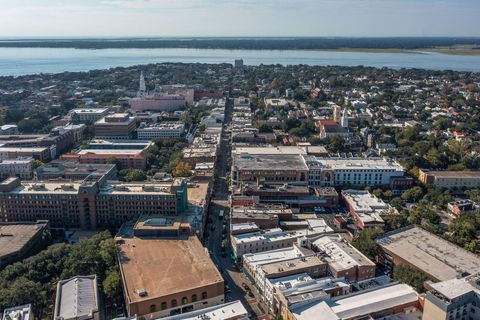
point(153, 308)
point(164, 305)
point(174, 303)
point(204, 295)
point(194, 298)
point(184, 300)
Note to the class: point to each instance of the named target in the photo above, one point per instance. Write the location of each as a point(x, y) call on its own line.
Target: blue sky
point(239, 18)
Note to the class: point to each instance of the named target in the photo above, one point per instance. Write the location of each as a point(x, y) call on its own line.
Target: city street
point(217, 230)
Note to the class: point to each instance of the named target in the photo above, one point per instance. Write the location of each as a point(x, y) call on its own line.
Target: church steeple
point(142, 90)
point(344, 121)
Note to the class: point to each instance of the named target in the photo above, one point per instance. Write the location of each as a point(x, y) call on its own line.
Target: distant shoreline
point(444, 51)
point(448, 46)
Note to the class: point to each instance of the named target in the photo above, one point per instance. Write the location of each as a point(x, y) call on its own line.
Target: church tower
point(344, 121)
point(142, 90)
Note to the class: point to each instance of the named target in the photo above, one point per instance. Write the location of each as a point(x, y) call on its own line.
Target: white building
point(378, 303)
point(276, 103)
point(77, 298)
point(85, 115)
point(161, 131)
point(366, 208)
point(228, 311)
point(272, 239)
point(7, 129)
point(302, 283)
point(337, 171)
point(23, 312)
point(252, 262)
point(20, 167)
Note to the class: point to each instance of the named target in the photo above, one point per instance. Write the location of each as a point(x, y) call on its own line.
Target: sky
point(355, 18)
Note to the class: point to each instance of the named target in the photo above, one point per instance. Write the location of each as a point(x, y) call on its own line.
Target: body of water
point(21, 61)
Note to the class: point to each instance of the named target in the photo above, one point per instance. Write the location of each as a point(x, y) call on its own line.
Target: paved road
point(218, 229)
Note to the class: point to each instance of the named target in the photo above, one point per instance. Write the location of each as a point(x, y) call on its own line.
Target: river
point(22, 61)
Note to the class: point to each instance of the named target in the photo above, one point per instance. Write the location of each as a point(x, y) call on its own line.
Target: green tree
point(412, 277)
point(366, 242)
point(131, 175)
point(111, 285)
point(414, 194)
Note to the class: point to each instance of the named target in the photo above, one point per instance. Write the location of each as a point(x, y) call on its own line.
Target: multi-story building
point(458, 207)
point(160, 130)
point(115, 126)
point(293, 167)
point(18, 239)
point(253, 262)
point(265, 217)
point(43, 154)
point(78, 298)
point(58, 169)
point(59, 140)
point(457, 298)
point(330, 128)
point(88, 115)
point(89, 204)
point(241, 104)
point(228, 311)
point(165, 271)
point(264, 241)
point(288, 292)
point(437, 258)
point(395, 300)
point(337, 171)
point(344, 260)
point(126, 158)
point(269, 169)
point(366, 209)
point(450, 179)
point(158, 103)
point(23, 312)
point(21, 167)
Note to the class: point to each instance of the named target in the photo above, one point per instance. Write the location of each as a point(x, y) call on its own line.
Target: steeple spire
point(344, 121)
point(142, 88)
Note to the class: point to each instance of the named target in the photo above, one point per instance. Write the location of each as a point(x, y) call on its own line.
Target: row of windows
point(174, 303)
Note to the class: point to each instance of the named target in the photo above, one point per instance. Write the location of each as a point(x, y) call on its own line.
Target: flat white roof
point(111, 151)
point(367, 207)
point(454, 288)
point(341, 254)
point(261, 258)
point(355, 163)
point(365, 303)
point(229, 310)
point(437, 257)
point(90, 110)
point(358, 304)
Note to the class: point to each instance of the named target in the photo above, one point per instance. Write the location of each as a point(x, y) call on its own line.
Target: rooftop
point(277, 162)
point(229, 310)
point(292, 264)
point(72, 167)
point(339, 253)
point(358, 304)
point(14, 236)
point(454, 174)
point(116, 119)
point(184, 263)
point(435, 256)
point(366, 206)
point(109, 151)
point(354, 163)
point(23, 312)
point(76, 298)
point(261, 258)
point(90, 110)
